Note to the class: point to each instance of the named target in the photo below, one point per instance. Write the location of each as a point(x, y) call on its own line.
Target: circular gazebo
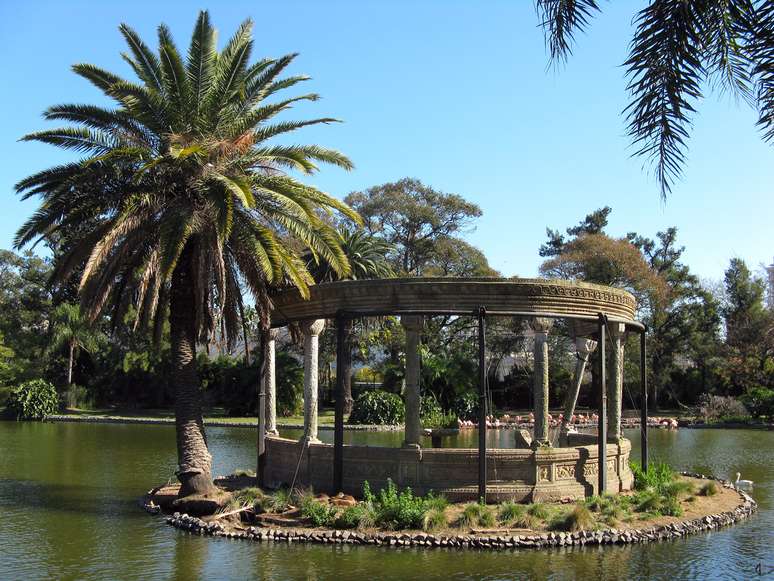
point(585, 464)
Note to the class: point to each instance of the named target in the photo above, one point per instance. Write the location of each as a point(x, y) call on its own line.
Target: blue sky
point(457, 94)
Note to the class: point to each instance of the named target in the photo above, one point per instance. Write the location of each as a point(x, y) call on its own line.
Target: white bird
point(742, 483)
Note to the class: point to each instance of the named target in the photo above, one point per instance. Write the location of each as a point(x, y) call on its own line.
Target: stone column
point(270, 381)
point(615, 383)
point(312, 330)
point(413, 326)
point(541, 327)
point(584, 348)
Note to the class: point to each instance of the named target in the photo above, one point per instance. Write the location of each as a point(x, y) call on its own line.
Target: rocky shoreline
point(676, 530)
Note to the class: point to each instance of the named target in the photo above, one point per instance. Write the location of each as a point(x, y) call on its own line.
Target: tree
point(191, 201)
point(749, 329)
point(412, 217)
point(367, 256)
point(678, 49)
point(72, 331)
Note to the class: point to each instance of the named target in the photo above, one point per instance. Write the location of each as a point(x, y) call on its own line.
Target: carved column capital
point(585, 346)
point(272, 334)
point(541, 325)
point(313, 327)
point(617, 330)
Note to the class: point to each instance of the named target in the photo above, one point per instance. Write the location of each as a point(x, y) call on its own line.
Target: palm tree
point(74, 332)
point(367, 255)
point(680, 47)
point(191, 199)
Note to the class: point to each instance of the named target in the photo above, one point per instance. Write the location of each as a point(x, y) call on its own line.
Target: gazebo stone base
point(512, 474)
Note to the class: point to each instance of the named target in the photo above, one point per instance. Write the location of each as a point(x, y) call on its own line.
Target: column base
point(540, 444)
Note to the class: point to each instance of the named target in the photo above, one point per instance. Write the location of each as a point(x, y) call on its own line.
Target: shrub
point(438, 420)
point(320, 514)
point(678, 488)
point(33, 400)
point(578, 519)
point(429, 407)
point(378, 407)
point(760, 401)
point(466, 406)
point(394, 509)
point(716, 407)
point(78, 397)
point(278, 501)
point(709, 489)
point(248, 496)
point(658, 476)
point(290, 384)
point(350, 517)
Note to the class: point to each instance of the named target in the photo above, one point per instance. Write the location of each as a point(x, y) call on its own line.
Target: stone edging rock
point(196, 525)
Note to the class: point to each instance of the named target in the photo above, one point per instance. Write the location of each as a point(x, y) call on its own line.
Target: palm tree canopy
point(365, 252)
point(183, 168)
point(71, 328)
point(679, 47)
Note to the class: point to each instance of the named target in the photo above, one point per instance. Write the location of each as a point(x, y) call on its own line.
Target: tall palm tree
point(680, 47)
point(367, 255)
point(192, 201)
point(74, 332)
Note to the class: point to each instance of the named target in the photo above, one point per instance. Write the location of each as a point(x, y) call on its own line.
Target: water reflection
point(68, 510)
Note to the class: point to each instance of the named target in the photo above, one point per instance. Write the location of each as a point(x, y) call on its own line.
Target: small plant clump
point(477, 514)
point(709, 489)
point(577, 519)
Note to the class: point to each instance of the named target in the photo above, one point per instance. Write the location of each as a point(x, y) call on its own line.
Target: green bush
point(352, 517)
point(465, 406)
point(429, 407)
point(760, 401)
point(290, 384)
point(658, 476)
point(378, 407)
point(394, 509)
point(319, 513)
point(33, 400)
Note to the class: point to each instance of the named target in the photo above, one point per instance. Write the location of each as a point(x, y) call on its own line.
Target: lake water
point(68, 510)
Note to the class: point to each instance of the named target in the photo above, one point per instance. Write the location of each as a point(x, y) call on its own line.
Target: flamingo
point(742, 483)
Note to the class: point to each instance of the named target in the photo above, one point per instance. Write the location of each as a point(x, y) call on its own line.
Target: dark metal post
point(602, 425)
point(482, 404)
point(342, 354)
point(261, 464)
point(644, 402)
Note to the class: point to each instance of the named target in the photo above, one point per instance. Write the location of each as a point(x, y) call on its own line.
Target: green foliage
point(251, 496)
point(290, 384)
point(352, 517)
point(277, 502)
point(577, 519)
point(477, 514)
point(709, 489)
point(658, 476)
point(378, 407)
point(429, 407)
point(33, 400)
point(438, 420)
point(320, 514)
point(511, 512)
point(760, 401)
point(465, 406)
point(78, 397)
point(394, 509)
point(434, 519)
point(538, 510)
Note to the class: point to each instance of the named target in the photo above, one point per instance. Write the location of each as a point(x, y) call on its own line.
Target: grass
point(577, 519)
point(476, 514)
point(709, 489)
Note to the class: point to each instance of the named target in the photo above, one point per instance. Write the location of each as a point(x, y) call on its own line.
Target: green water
point(68, 510)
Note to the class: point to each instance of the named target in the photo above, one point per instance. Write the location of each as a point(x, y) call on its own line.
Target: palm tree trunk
point(70, 365)
point(194, 460)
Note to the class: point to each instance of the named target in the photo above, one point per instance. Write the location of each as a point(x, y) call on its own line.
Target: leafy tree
point(680, 48)
point(6, 363)
point(190, 200)
point(72, 331)
point(412, 217)
point(25, 306)
point(686, 322)
point(749, 329)
point(455, 257)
